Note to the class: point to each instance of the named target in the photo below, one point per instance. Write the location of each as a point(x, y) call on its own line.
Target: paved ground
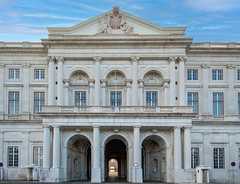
point(37, 182)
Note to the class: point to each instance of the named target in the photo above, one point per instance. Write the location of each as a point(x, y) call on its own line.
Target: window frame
point(193, 157)
point(75, 100)
point(115, 99)
point(218, 157)
point(39, 155)
point(217, 101)
point(15, 103)
point(14, 75)
point(192, 101)
point(217, 74)
point(191, 75)
point(238, 74)
point(152, 100)
point(38, 101)
point(18, 155)
point(40, 70)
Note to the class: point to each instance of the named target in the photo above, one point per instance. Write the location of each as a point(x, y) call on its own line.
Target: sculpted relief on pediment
point(114, 23)
point(79, 78)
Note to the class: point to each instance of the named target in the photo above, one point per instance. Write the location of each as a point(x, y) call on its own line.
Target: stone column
point(128, 86)
point(66, 89)
point(96, 170)
point(97, 67)
point(166, 92)
point(141, 92)
point(231, 110)
point(181, 81)
point(56, 147)
point(137, 168)
point(172, 77)
point(205, 93)
point(177, 148)
point(135, 81)
point(104, 84)
point(46, 146)
point(51, 81)
point(91, 92)
point(60, 80)
point(187, 147)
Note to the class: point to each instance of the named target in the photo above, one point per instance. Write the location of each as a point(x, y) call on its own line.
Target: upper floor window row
point(217, 74)
point(192, 74)
point(15, 74)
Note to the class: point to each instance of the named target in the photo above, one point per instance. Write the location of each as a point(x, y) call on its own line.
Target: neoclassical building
point(119, 97)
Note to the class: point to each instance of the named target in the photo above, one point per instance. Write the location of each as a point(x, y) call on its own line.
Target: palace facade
point(118, 96)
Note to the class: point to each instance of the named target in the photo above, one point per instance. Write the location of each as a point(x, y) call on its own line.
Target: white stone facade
point(118, 87)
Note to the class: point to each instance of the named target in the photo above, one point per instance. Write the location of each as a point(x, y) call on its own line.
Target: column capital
point(56, 126)
point(173, 58)
point(128, 83)
point(182, 58)
point(137, 126)
point(46, 126)
point(97, 58)
point(60, 59)
point(66, 83)
point(205, 66)
point(96, 126)
point(166, 83)
point(187, 127)
point(141, 83)
point(90, 82)
point(2, 65)
point(51, 59)
point(104, 83)
point(135, 58)
point(177, 127)
point(231, 66)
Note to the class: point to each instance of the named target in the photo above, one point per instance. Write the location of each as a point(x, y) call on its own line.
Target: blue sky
point(206, 20)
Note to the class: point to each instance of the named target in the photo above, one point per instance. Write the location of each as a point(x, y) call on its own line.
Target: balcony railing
point(121, 109)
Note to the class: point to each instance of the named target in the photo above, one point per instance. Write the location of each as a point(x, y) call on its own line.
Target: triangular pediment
point(117, 22)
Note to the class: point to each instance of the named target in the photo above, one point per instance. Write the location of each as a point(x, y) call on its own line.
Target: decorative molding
point(230, 66)
point(194, 86)
point(173, 58)
point(60, 59)
point(13, 85)
point(38, 85)
point(26, 65)
point(205, 66)
point(135, 58)
point(182, 59)
point(79, 78)
point(97, 58)
point(51, 59)
point(152, 78)
point(218, 86)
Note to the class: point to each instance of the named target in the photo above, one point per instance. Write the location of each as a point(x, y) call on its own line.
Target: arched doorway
point(154, 159)
point(115, 161)
point(78, 159)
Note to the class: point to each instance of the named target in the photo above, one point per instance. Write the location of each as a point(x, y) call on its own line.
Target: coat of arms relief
point(115, 23)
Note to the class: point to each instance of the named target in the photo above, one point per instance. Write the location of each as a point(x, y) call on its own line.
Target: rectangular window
point(194, 157)
point(192, 74)
point(80, 98)
point(14, 73)
point(39, 74)
point(238, 75)
point(217, 74)
point(192, 100)
point(39, 101)
point(38, 155)
point(13, 102)
point(239, 104)
point(151, 98)
point(116, 98)
point(13, 156)
point(218, 154)
point(217, 104)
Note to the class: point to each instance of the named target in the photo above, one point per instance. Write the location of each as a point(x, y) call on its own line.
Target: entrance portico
point(86, 137)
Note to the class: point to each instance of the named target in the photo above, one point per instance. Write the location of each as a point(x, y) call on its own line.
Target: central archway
point(154, 159)
point(78, 158)
point(115, 161)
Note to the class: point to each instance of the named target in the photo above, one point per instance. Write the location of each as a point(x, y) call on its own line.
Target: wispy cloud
point(213, 5)
point(22, 29)
point(40, 15)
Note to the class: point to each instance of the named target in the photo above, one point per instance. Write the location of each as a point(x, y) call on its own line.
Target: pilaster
point(91, 85)
point(56, 147)
point(128, 86)
point(205, 93)
point(166, 92)
point(60, 80)
point(177, 148)
point(134, 80)
point(46, 146)
point(104, 85)
point(51, 81)
point(96, 170)
point(97, 67)
point(181, 81)
point(172, 76)
point(66, 90)
point(187, 147)
point(141, 92)
point(25, 90)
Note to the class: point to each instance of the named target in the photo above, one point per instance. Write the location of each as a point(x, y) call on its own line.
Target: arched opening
point(115, 161)
point(154, 159)
point(78, 159)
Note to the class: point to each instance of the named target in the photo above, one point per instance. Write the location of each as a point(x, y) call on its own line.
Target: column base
point(51, 175)
point(137, 175)
point(96, 175)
